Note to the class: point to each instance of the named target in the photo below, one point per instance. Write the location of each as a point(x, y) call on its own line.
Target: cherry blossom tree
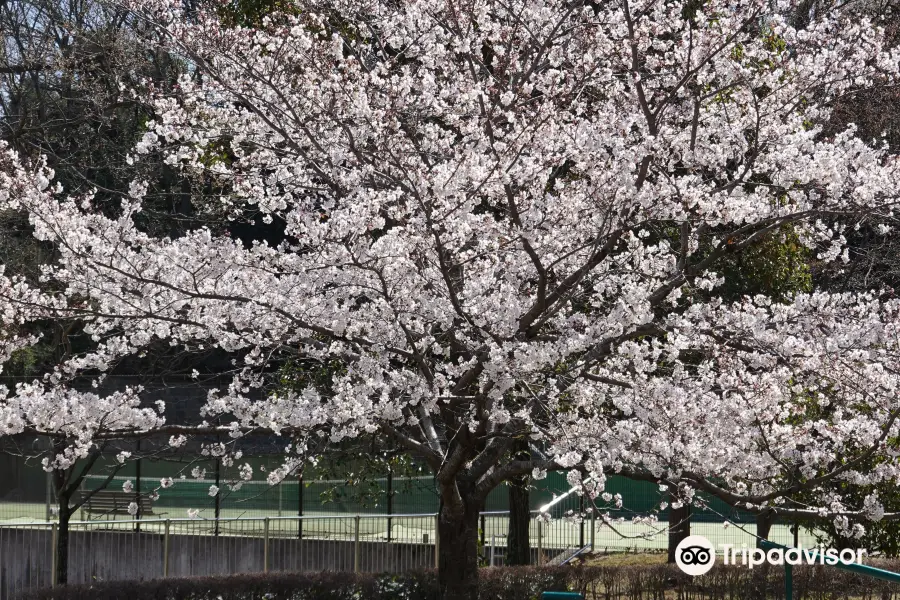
point(505, 221)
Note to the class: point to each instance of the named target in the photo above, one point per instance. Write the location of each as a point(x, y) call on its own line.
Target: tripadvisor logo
point(695, 555)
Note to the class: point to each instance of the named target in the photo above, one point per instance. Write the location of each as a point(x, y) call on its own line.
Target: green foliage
point(357, 478)
point(882, 538)
point(217, 152)
point(29, 361)
point(250, 13)
point(297, 374)
point(777, 267)
point(690, 8)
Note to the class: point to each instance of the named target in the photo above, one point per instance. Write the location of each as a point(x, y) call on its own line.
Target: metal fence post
point(266, 545)
point(390, 501)
point(581, 521)
point(166, 549)
point(218, 499)
point(593, 527)
point(49, 498)
point(137, 486)
point(540, 536)
point(356, 545)
point(437, 540)
point(300, 506)
point(53, 541)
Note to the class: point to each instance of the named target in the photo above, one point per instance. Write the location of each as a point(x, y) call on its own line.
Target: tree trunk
point(62, 541)
point(518, 543)
point(764, 522)
point(760, 578)
point(679, 527)
point(458, 550)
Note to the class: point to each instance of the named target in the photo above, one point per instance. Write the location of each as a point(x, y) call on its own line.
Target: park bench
point(111, 502)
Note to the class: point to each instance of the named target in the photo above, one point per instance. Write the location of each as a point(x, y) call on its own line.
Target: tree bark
point(679, 527)
point(518, 543)
point(458, 549)
point(66, 484)
point(62, 540)
point(759, 581)
point(764, 522)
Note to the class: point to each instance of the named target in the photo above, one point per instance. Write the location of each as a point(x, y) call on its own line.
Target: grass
point(624, 559)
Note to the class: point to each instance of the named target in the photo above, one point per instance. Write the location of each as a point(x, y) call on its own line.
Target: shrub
point(508, 583)
point(519, 583)
point(257, 586)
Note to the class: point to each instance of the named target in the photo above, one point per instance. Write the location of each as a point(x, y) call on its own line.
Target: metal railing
point(147, 548)
point(873, 572)
point(123, 550)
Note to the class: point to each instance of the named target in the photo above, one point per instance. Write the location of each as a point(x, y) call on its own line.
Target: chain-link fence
point(26, 493)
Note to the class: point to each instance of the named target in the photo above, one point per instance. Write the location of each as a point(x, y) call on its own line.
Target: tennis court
point(556, 534)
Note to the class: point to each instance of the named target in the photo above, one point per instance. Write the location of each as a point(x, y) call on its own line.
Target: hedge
point(658, 582)
point(520, 583)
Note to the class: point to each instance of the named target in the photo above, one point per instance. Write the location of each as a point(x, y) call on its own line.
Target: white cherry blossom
point(504, 221)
